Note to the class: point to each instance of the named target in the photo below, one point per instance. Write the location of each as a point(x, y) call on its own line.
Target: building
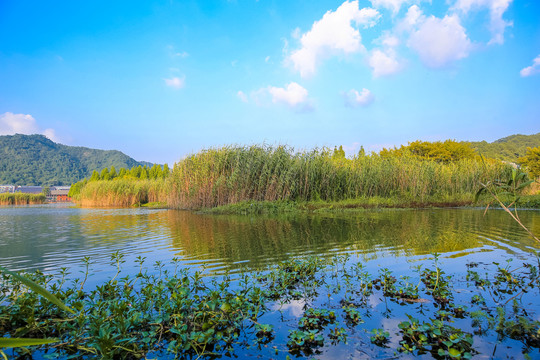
point(7, 189)
point(59, 194)
point(29, 189)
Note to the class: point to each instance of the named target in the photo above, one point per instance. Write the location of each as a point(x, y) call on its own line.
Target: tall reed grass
point(21, 199)
point(121, 192)
point(231, 174)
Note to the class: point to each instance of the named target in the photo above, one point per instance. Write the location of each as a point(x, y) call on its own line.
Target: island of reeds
point(261, 177)
point(21, 199)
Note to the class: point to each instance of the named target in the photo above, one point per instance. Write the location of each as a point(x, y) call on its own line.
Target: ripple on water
point(48, 237)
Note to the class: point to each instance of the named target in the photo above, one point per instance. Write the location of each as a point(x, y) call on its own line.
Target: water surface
point(49, 237)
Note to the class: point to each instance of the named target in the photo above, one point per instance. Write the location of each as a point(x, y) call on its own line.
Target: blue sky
point(161, 79)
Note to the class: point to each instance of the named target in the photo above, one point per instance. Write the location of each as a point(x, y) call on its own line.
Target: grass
point(21, 199)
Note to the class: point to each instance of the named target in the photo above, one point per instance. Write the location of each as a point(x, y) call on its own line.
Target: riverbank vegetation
point(137, 186)
point(421, 174)
point(301, 307)
point(230, 175)
point(21, 199)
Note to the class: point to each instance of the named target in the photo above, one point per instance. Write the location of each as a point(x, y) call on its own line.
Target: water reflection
point(48, 237)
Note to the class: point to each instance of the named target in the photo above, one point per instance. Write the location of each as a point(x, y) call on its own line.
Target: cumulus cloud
point(413, 17)
point(332, 35)
point(533, 69)
point(242, 96)
point(438, 41)
point(293, 95)
point(175, 82)
point(353, 98)
point(384, 62)
point(496, 8)
point(11, 124)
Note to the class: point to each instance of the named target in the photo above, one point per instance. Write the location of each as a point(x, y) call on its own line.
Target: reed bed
point(21, 199)
point(232, 174)
point(121, 192)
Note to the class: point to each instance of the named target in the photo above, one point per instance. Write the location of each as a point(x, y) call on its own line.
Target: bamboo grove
point(420, 173)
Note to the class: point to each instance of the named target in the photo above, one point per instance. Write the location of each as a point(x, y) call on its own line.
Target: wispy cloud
point(175, 82)
point(242, 96)
point(393, 5)
point(496, 8)
point(176, 54)
point(533, 69)
point(353, 98)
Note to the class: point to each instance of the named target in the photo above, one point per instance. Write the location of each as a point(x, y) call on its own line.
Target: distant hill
point(36, 160)
point(509, 148)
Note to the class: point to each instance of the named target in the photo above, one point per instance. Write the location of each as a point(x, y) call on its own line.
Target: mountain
point(36, 160)
point(509, 148)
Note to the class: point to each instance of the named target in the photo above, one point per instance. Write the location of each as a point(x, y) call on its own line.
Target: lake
point(51, 237)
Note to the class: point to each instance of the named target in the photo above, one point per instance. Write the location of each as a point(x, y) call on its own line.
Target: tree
point(95, 176)
point(112, 172)
point(105, 174)
point(166, 171)
point(531, 161)
point(338, 153)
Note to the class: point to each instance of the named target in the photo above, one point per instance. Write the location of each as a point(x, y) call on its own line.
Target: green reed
point(121, 192)
point(21, 199)
point(233, 174)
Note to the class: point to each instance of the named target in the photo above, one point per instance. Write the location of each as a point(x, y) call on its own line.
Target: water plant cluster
point(21, 199)
point(301, 307)
point(264, 173)
point(443, 173)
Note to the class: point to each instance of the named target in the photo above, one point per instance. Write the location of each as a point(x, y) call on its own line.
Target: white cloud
point(413, 17)
point(438, 41)
point(242, 96)
point(332, 35)
point(175, 82)
point(11, 124)
point(393, 5)
point(293, 95)
point(353, 98)
point(384, 62)
point(496, 8)
point(390, 40)
point(533, 69)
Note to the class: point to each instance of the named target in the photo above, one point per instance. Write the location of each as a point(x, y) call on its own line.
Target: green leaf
point(455, 353)
point(19, 342)
point(40, 290)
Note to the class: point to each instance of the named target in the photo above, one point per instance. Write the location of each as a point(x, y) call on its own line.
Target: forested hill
point(509, 148)
point(36, 160)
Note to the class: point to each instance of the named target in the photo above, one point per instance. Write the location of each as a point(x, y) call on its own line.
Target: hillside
point(509, 148)
point(36, 160)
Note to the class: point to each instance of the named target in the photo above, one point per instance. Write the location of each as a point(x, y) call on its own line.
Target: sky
point(159, 80)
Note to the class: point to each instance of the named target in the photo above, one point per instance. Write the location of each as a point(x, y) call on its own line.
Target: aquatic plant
point(166, 311)
point(230, 175)
point(21, 199)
